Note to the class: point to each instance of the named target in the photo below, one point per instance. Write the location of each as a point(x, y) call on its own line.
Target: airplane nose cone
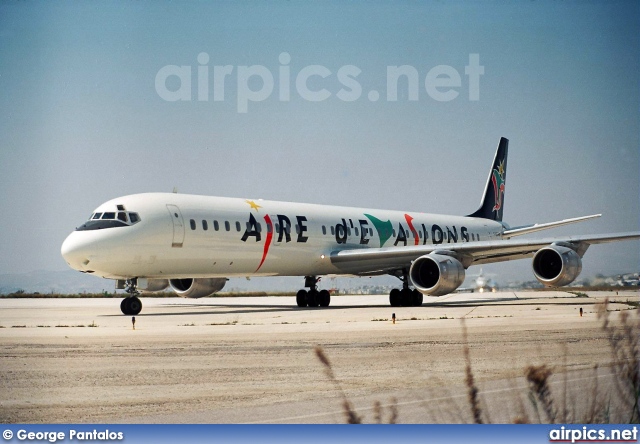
point(74, 252)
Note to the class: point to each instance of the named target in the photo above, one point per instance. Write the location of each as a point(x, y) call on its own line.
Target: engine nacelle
point(436, 274)
point(555, 265)
point(197, 288)
point(152, 285)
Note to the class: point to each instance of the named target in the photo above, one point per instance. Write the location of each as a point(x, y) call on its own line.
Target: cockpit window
point(99, 221)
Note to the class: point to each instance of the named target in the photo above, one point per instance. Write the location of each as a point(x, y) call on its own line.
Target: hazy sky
point(82, 121)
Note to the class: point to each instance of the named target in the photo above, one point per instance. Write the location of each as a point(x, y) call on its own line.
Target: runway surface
point(252, 360)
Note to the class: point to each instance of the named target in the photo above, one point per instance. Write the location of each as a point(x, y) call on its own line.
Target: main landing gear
point(313, 297)
point(131, 305)
point(405, 297)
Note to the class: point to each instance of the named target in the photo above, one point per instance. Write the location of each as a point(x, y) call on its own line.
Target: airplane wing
point(518, 231)
point(373, 261)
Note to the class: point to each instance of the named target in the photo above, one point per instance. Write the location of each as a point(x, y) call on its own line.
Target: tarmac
point(253, 359)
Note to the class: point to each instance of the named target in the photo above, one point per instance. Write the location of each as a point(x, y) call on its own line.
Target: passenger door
point(178, 226)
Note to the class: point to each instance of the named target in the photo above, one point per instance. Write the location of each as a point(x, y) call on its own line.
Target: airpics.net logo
point(313, 83)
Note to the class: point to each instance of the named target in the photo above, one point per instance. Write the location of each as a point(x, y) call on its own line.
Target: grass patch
point(187, 325)
point(43, 326)
point(62, 326)
point(18, 326)
point(579, 294)
point(224, 323)
point(634, 304)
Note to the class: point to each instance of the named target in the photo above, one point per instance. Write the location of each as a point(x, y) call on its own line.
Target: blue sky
point(82, 121)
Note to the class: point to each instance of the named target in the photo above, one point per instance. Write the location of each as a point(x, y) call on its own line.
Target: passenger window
point(227, 226)
point(193, 224)
point(473, 237)
point(333, 230)
point(205, 225)
point(216, 226)
point(348, 231)
point(324, 230)
point(370, 231)
point(259, 227)
point(268, 228)
point(394, 232)
point(108, 216)
point(238, 226)
point(297, 229)
point(122, 216)
point(356, 231)
point(277, 228)
point(97, 215)
point(134, 218)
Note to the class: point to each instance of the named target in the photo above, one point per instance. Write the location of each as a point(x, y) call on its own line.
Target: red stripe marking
point(267, 242)
point(413, 230)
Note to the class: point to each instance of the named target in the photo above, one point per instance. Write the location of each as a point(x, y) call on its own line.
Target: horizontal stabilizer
point(518, 231)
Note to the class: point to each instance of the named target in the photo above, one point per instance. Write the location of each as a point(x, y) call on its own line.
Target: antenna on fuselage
point(175, 190)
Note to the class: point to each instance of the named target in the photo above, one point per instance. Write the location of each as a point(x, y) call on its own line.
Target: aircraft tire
point(301, 298)
point(416, 298)
point(394, 298)
point(312, 298)
point(135, 306)
point(124, 306)
point(324, 298)
point(406, 297)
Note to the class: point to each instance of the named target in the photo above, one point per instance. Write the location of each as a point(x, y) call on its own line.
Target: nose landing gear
point(131, 305)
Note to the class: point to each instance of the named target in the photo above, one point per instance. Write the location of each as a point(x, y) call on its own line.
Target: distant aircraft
point(481, 284)
point(193, 244)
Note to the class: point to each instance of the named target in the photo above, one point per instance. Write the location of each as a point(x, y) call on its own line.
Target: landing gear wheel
point(312, 298)
point(301, 298)
point(394, 298)
point(131, 306)
point(406, 297)
point(135, 306)
point(416, 298)
point(324, 298)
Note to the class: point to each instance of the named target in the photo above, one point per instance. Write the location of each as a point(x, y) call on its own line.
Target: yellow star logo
point(253, 205)
point(501, 169)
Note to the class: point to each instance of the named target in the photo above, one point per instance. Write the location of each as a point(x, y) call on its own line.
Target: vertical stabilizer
point(492, 203)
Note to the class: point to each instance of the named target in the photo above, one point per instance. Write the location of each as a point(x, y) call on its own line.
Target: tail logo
point(497, 178)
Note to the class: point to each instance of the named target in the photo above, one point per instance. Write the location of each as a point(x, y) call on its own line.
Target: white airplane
point(193, 244)
point(481, 284)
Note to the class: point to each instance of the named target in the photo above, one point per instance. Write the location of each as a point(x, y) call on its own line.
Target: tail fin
point(492, 203)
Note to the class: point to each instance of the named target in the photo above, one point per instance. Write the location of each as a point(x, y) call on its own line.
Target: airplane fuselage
point(190, 236)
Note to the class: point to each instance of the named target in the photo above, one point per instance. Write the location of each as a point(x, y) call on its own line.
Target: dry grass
point(624, 340)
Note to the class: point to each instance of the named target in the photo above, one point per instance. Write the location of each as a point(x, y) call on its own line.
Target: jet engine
point(436, 274)
point(197, 288)
point(555, 265)
point(152, 285)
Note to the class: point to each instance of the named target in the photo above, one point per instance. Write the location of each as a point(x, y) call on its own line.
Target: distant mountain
point(62, 282)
